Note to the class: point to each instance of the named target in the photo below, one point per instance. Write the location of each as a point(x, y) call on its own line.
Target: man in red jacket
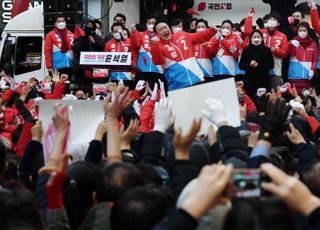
point(175, 53)
point(58, 47)
point(118, 44)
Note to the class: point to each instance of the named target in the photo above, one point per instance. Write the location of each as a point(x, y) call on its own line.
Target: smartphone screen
point(245, 183)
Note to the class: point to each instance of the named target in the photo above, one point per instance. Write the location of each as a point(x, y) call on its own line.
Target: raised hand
point(128, 135)
point(182, 141)
point(116, 102)
point(163, 116)
point(215, 112)
point(290, 190)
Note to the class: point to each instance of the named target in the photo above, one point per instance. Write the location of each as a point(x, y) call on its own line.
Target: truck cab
point(22, 45)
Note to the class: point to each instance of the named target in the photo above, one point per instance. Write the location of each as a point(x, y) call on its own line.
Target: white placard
point(105, 58)
point(84, 118)
point(189, 102)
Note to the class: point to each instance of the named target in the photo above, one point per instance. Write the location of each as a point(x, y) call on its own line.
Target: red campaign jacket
point(315, 21)
point(231, 41)
point(115, 46)
point(57, 92)
point(24, 138)
point(200, 51)
point(309, 53)
point(180, 47)
point(53, 44)
point(139, 39)
point(278, 41)
point(146, 117)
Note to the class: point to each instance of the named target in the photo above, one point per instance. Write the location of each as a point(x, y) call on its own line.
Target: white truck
point(22, 45)
point(22, 40)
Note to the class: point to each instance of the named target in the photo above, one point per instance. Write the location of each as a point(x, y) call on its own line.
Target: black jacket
point(262, 55)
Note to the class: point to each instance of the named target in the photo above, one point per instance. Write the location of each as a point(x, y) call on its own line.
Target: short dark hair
point(121, 16)
point(117, 180)
point(141, 208)
point(158, 22)
point(302, 14)
point(151, 16)
point(273, 15)
point(228, 21)
point(19, 207)
point(269, 214)
point(177, 21)
point(203, 21)
point(97, 21)
point(116, 24)
point(60, 16)
point(80, 89)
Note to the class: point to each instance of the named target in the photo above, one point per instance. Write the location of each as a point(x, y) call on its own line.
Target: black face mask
point(89, 31)
point(296, 22)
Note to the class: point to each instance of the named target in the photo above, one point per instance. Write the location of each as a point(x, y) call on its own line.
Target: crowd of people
point(143, 172)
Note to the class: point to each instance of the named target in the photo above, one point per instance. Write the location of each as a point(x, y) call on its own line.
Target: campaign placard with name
point(105, 58)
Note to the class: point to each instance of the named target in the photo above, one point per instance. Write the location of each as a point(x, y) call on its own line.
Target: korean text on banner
point(105, 58)
point(84, 119)
point(189, 102)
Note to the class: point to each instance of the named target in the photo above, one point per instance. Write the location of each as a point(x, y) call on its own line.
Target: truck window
point(7, 55)
point(28, 55)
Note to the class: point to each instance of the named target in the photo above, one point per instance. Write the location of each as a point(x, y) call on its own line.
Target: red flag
point(191, 11)
point(19, 6)
point(78, 31)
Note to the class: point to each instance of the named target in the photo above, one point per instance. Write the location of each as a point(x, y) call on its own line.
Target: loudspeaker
point(62, 5)
point(71, 18)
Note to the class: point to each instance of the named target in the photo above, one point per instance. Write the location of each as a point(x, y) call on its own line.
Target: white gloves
point(69, 97)
point(154, 93)
point(311, 74)
point(162, 90)
point(163, 116)
point(140, 85)
point(136, 107)
point(312, 4)
point(215, 112)
point(295, 43)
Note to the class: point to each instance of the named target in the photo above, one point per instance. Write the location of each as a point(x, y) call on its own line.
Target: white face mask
point(176, 29)
point(225, 32)
point(150, 27)
point(117, 36)
point(201, 29)
point(61, 25)
point(98, 32)
point(303, 34)
point(272, 23)
point(256, 41)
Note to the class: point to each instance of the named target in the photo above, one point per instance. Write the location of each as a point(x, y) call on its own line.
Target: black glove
point(275, 120)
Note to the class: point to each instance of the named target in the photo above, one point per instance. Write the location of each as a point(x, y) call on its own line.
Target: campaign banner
point(84, 117)
point(215, 11)
point(189, 102)
point(105, 58)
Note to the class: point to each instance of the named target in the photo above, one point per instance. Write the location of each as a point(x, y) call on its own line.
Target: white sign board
point(189, 102)
point(84, 119)
point(105, 58)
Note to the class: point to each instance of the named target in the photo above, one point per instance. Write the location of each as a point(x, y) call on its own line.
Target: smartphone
point(246, 183)
point(252, 11)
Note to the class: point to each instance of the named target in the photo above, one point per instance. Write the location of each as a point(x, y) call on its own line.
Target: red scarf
point(304, 41)
point(63, 34)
